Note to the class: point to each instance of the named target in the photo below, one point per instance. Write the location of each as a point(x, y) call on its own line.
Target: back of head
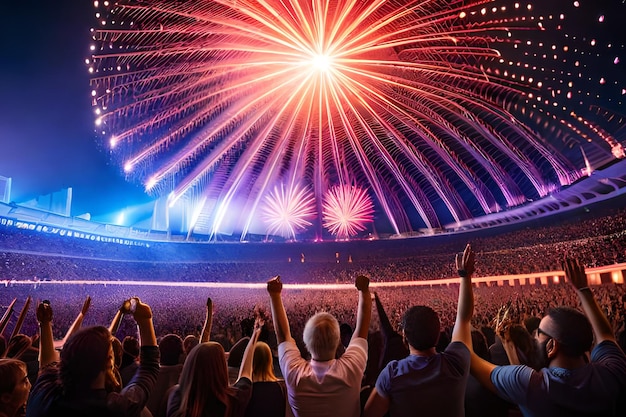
point(321, 336)
point(479, 345)
point(572, 330)
point(189, 343)
point(11, 371)
point(345, 331)
point(526, 346)
point(86, 353)
point(262, 363)
point(18, 345)
point(204, 379)
point(531, 324)
point(421, 327)
point(171, 349)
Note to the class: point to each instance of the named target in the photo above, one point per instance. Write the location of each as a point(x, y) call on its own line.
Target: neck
point(417, 352)
point(567, 362)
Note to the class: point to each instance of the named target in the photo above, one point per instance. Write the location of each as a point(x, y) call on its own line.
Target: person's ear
point(552, 348)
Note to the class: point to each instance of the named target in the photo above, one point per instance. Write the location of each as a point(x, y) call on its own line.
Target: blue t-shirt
point(593, 390)
point(434, 385)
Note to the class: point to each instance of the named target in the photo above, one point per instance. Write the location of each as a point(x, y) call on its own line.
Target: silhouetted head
point(171, 349)
point(85, 355)
point(421, 327)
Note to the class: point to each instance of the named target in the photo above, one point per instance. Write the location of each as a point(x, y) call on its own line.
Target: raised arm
point(7, 316)
point(575, 274)
point(462, 331)
point(21, 317)
point(279, 315)
point(364, 309)
point(117, 319)
point(205, 336)
point(47, 353)
point(78, 321)
point(246, 368)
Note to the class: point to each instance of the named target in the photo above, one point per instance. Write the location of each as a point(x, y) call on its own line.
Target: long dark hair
point(87, 353)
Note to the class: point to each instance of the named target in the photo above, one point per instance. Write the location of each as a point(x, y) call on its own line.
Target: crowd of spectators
point(29, 255)
point(39, 267)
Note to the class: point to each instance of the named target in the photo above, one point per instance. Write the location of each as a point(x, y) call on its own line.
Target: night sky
point(47, 138)
point(46, 121)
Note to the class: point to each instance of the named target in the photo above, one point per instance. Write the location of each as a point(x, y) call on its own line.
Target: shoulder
point(358, 343)
point(513, 381)
point(173, 400)
point(457, 348)
point(607, 349)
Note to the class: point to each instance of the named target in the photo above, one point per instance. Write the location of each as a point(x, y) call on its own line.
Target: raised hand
point(466, 262)
point(275, 285)
point(142, 310)
point(575, 273)
point(86, 305)
point(362, 283)
point(44, 312)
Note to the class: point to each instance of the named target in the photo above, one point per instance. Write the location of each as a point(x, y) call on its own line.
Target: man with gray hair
point(323, 386)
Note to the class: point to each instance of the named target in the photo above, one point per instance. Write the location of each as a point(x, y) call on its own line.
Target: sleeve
point(289, 358)
point(355, 356)
point(458, 357)
point(383, 382)
point(243, 393)
point(134, 397)
point(609, 355)
point(512, 382)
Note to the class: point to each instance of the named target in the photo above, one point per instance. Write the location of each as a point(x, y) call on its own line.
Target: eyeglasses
point(539, 331)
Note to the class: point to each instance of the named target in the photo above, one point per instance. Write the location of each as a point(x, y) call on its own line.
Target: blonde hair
point(321, 336)
point(262, 363)
point(203, 381)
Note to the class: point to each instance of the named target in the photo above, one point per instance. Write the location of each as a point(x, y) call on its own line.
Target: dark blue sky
point(47, 138)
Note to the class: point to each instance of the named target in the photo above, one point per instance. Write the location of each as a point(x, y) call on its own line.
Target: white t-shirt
point(324, 389)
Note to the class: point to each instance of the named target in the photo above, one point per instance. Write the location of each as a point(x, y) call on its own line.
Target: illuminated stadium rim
point(541, 277)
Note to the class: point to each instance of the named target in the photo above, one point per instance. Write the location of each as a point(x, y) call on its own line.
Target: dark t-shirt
point(268, 399)
point(239, 399)
point(434, 385)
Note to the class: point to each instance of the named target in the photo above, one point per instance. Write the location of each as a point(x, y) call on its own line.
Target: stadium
point(383, 153)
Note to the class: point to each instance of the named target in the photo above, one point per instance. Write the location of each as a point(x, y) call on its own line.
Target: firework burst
point(347, 211)
point(415, 101)
point(288, 210)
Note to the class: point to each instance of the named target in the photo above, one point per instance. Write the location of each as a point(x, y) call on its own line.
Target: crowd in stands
point(180, 351)
point(29, 255)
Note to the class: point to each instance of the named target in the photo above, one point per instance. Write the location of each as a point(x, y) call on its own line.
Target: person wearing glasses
point(571, 383)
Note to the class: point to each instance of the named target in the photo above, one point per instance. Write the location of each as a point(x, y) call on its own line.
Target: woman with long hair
point(269, 394)
point(204, 391)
